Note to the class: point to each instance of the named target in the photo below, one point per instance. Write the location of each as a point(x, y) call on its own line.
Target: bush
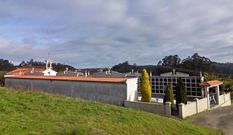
point(227, 85)
point(2, 80)
point(145, 87)
point(169, 97)
point(181, 92)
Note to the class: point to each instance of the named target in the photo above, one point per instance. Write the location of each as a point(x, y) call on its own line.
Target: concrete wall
point(112, 93)
point(132, 89)
point(156, 108)
point(225, 99)
point(193, 108)
point(202, 105)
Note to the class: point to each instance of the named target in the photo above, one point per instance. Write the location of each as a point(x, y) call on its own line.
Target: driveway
point(221, 118)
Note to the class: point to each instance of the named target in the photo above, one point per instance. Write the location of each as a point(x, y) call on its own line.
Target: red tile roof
point(211, 83)
point(61, 78)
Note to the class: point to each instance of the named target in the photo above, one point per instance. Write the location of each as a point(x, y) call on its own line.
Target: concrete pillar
point(181, 110)
point(218, 94)
point(208, 97)
point(196, 100)
point(168, 110)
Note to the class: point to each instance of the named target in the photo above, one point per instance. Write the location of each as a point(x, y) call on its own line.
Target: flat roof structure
point(211, 83)
point(64, 78)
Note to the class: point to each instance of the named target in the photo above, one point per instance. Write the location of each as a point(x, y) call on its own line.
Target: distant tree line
point(125, 67)
point(56, 66)
point(6, 65)
point(192, 65)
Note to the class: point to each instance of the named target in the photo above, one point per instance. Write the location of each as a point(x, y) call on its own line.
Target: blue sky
point(101, 33)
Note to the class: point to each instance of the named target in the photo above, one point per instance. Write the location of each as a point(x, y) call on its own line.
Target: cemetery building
point(159, 83)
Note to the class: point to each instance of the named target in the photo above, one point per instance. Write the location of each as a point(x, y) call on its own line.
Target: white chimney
point(33, 70)
point(150, 73)
point(85, 73)
point(174, 71)
point(200, 74)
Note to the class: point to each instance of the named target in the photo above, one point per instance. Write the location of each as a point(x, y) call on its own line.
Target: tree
point(6, 65)
point(169, 97)
point(145, 87)
point(123, 67)
point(210, 76)
point(56, 66)
point(198, 63)
point(181, 92)
point(227, 85)
point(170, 61)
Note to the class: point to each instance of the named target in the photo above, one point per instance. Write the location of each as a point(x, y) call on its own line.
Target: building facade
point(107, 90)
point(159, 83)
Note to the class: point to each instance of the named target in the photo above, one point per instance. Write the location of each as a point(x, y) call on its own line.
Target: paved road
point(221, 118)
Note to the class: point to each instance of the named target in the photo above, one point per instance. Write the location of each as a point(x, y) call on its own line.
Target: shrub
point(181, 92)
point(169, 97)
point(145, 86)
point(2, 80)
point(227, 85)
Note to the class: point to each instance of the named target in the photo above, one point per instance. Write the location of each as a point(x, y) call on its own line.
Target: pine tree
point(145, 86)
point(169, 94)
point(181, 92)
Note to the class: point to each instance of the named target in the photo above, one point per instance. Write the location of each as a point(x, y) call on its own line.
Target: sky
point(102, 33)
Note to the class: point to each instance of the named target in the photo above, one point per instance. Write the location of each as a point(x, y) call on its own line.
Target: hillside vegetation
point(31, 113)
point(2, 73)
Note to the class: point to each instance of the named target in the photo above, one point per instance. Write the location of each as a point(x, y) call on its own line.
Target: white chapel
point(49, 71)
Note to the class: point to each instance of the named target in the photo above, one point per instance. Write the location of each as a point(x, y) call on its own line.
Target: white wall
point(192, 108)
point(49, 72)
point(132, 89)
point(202, 105)
point(225, 99)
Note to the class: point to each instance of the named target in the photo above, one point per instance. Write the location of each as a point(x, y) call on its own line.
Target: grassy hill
point(33, 113)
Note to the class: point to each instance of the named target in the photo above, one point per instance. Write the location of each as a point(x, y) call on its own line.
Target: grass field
point(32, 113)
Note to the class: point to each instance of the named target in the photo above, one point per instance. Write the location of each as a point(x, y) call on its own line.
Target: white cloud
point(106, 32)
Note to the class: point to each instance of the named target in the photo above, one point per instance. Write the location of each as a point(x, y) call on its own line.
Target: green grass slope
point(33, 113)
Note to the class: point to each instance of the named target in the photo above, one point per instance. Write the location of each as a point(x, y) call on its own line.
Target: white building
point(49, 71)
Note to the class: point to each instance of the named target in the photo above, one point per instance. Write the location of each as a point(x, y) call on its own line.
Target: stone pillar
point(168, 110)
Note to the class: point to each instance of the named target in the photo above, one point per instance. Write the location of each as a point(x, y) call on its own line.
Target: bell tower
point(49, 63)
